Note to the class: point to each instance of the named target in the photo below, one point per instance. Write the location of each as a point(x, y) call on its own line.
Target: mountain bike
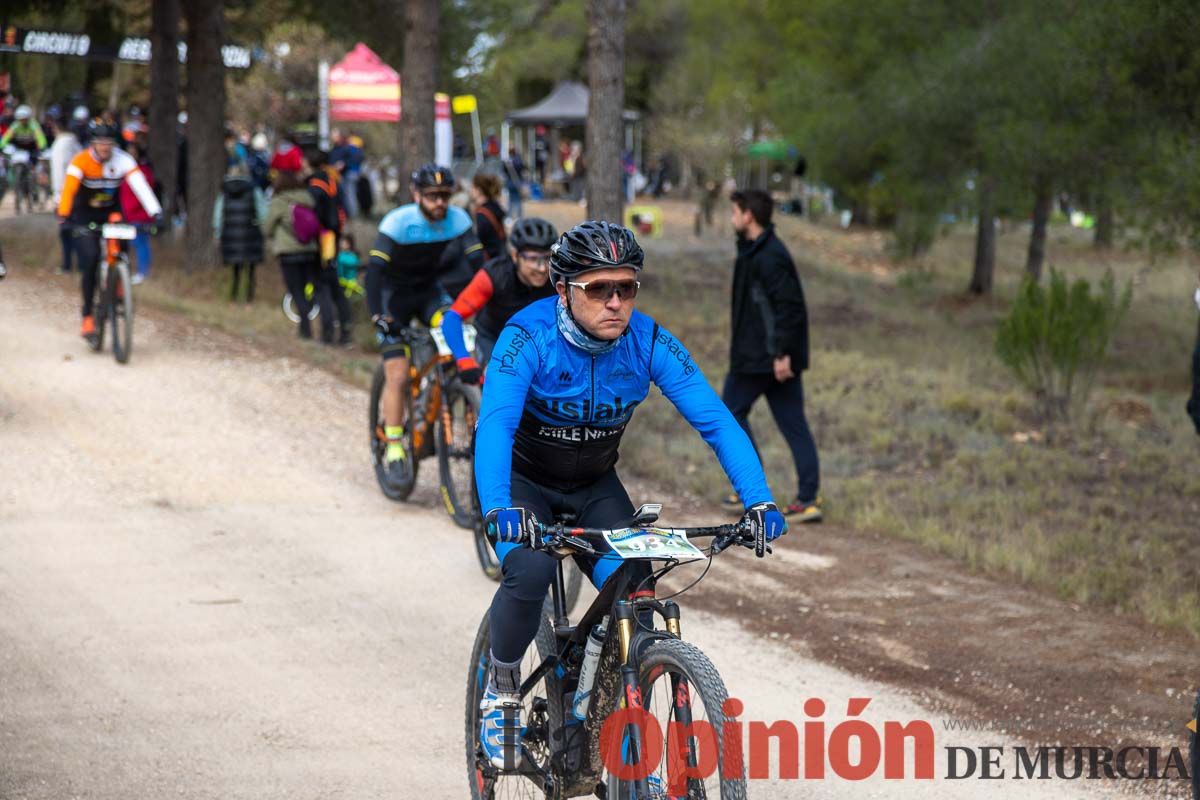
point(440, 413)
point(21, 175)
point(614, 657)
point(115, 305)
point(351, 287)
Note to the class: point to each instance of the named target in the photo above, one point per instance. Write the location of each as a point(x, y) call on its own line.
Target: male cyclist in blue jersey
point(423, 249)
point(563, 381)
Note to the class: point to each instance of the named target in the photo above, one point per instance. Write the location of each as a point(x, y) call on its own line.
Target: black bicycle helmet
point(595, 244)
point(99, 129)
point(532, 233)
point(431, 175)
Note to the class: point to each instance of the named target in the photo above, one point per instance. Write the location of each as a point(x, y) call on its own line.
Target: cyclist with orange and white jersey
point(89, 195)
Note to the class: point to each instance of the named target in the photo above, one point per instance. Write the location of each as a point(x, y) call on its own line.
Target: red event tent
point(364, 89)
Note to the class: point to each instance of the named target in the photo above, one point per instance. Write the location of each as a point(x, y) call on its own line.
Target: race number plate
point(20, 157)
point(112, 230)
point(443, 348)
point(658, 544)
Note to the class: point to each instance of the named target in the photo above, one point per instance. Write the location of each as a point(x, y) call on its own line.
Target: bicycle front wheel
point(103, 307)
point(393, 487)
point(679, 684)
point(120, 309)
point(454, 438)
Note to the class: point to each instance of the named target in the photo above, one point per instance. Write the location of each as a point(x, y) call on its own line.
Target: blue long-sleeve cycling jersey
point(556, 413)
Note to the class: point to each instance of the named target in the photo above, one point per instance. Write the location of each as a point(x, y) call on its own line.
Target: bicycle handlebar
point(559, 534)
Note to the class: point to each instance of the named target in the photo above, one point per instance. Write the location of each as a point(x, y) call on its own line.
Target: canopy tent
point(364, 89)
point(567, 104)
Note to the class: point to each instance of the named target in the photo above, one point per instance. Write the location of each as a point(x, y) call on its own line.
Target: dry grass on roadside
point(922, 434)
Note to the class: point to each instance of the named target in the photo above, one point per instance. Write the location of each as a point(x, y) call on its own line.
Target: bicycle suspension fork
point(631, 699)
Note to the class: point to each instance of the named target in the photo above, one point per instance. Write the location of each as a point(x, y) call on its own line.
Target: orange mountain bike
point(115, 306)
point(440, 413)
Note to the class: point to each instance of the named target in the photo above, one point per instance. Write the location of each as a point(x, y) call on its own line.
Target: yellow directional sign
point(464, 104)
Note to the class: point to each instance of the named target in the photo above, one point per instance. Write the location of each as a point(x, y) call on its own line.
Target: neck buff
point(578, 336)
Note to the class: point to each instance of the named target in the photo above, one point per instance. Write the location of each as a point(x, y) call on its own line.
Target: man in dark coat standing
point(768, 348)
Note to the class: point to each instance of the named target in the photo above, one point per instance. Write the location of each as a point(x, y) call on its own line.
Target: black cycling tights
point(527, 574)
point(87, 253)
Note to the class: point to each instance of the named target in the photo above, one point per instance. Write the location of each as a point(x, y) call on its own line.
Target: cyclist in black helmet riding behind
point(503, 287)
point(422, 249)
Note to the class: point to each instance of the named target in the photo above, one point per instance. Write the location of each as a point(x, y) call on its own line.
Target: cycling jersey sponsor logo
point(678, 351)
point(508, 359)
point(564, 376)
point(583, 409)
point(578, 433)
point(621, 374)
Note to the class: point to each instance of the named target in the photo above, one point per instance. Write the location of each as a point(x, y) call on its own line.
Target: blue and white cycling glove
point(510, 525)
point(765, 517)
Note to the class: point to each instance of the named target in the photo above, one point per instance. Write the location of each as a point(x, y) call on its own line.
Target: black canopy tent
point(565, 107)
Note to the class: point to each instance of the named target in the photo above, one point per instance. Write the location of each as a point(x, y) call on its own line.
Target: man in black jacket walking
point(768, 348)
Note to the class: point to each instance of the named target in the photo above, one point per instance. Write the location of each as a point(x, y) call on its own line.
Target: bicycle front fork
point(631, 696)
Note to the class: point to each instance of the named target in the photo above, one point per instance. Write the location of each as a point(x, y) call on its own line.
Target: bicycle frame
point(434, 406)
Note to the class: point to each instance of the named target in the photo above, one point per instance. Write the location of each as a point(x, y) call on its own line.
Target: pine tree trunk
point(99, 20)
point(1043, 201)
point(164, 94)
point(860, 212)
point(422, 20)
point(206, 124)
point(985, 240)
point(606, 103)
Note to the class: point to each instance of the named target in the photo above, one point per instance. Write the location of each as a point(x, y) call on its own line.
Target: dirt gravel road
point(203, 595)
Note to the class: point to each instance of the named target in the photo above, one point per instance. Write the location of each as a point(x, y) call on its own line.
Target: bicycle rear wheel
point(120, 309)
point(541, 712)
point(454, 438)
point(488, 561)
point(674, 671)
point(392, 489)
point(293, 313)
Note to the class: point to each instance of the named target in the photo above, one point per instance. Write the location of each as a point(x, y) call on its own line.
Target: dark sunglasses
point(601, 291)
point(436, 196)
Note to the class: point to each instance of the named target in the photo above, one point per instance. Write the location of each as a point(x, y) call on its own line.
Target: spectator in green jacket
point(299, 261)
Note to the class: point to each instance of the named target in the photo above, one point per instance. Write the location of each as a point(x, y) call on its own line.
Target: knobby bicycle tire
point(455, 451)
point(101, 307)
point(673, 656)
point(120, 310)
point(392, 490)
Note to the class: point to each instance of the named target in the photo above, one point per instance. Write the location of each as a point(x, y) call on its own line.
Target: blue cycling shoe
point(500, 729)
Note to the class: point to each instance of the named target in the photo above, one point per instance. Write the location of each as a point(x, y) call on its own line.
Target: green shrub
point(1055, 337)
